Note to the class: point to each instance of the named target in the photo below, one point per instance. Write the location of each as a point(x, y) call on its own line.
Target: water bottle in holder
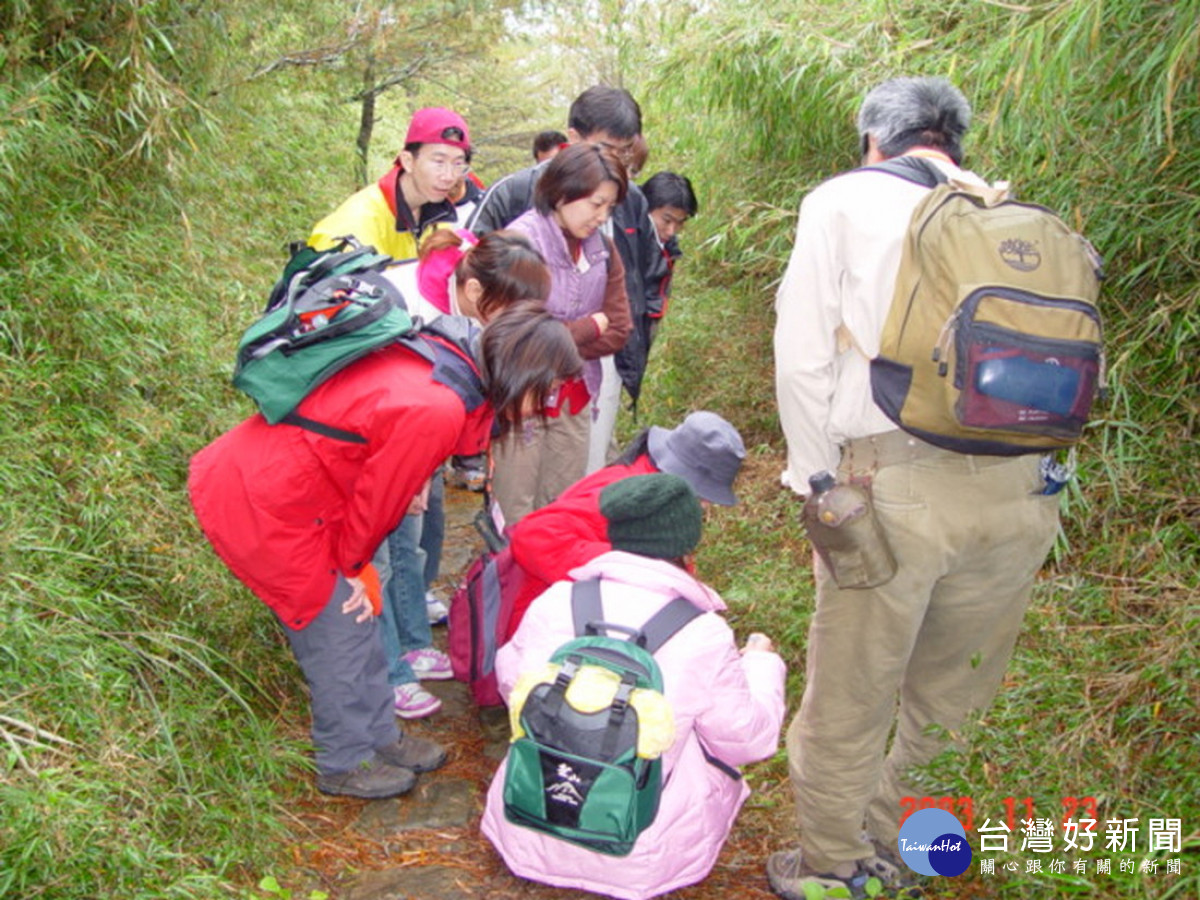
point(841, 524)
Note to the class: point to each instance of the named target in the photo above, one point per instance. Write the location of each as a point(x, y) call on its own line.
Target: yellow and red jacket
point(373, 216)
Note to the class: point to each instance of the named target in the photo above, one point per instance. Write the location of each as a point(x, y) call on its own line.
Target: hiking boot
point(372, 779)
point(791, 879)
point(435, 609)
point(888, 867)
point(414, 702)
point(429, 664)
point(412, 752)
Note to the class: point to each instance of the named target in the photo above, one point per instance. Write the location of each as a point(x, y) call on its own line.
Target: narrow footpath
point(426, 845)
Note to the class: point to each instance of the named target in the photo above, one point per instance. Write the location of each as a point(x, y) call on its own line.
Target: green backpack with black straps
point(577, 775)
point(993, 342)
point(328, 309)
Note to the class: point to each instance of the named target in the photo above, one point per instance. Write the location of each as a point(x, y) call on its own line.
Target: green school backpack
point(577, 775)
point(993, 341)
point(328, 309)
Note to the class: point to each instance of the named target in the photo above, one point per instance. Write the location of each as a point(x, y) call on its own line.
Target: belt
point(889, 448)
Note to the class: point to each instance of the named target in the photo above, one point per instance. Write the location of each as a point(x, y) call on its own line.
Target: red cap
point(438, 125)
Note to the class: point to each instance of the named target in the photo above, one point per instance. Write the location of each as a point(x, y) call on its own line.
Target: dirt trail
point(427, 845)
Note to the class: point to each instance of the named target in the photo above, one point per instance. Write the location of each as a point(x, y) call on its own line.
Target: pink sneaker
point(414, 702)
point(429, 664)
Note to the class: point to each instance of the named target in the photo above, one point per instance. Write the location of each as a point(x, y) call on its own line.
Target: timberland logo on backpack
point(1021, 254)
point(565, 789)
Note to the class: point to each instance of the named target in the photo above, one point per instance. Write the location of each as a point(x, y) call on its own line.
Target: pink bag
point(479, 615)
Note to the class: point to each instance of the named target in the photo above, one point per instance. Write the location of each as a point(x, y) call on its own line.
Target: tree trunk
point(366, 121)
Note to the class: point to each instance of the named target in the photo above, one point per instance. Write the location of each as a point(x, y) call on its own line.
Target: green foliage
point(151, 172)
point(786, 81)
point(378, 62)
point(137, 749)
point(140, 690)
point(270, 886)
point(130, 71)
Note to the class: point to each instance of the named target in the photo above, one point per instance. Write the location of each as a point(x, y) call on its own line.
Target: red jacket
point(551, 541)
point(287, 509)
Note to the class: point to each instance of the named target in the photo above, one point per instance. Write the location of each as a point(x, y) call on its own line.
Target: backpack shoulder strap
point(585, 605)
point(910, 168)
point(587, 609)
point(329, 431)
point(667, 622)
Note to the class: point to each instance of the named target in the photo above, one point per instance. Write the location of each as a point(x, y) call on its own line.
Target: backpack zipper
point(970, 304)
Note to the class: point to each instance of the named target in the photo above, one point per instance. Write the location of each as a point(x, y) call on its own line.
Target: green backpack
point(576, 775)
point(328, 309)
point(993, 341)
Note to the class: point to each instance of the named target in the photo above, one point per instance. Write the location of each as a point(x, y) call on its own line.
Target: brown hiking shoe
point(412, 752)
point(372, 779)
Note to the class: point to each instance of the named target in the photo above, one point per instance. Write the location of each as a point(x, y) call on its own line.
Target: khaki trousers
point(922, 652)
point(531, 467)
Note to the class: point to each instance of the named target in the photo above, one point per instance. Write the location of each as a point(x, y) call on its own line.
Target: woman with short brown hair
point(573, 200)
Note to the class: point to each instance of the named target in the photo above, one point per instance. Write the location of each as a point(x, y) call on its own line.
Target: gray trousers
point(344, 665)
point(922, 652)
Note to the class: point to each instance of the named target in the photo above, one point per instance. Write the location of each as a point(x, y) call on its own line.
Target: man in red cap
point(395, 213)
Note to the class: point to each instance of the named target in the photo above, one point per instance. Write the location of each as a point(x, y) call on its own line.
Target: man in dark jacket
point(609, 116)
point(671, 201)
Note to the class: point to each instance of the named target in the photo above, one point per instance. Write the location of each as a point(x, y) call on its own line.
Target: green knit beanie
point(652, 515)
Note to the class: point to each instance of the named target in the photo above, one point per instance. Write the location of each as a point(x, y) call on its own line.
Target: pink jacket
point(733, 703)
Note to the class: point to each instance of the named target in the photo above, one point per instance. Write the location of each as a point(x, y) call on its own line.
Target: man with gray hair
point(919, 653)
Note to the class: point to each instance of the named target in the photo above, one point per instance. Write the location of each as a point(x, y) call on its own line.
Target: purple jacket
point(576, 289)
point(733, 703)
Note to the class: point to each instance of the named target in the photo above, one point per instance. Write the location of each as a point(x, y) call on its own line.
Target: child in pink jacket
point(728, 703)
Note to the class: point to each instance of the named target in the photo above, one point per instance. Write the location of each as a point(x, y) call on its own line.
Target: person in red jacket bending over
point(704, 450)
point(297, 515)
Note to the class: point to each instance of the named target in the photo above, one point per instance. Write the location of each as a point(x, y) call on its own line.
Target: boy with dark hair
point(546, 144)
point(671, 201)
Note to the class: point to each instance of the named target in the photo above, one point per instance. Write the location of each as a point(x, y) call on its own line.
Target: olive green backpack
point(993, 341)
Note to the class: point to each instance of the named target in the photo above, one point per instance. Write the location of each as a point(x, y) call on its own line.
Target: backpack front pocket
point(1011, 375)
